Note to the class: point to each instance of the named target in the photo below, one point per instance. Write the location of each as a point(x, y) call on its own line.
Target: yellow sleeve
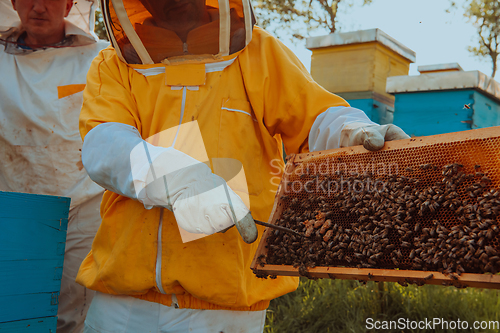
point(282, 92)
point(107, 97)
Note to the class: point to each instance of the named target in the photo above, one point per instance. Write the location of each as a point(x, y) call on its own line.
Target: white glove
point(346, 126)
point(117, 158)
point(371, 136)
point(202, 202)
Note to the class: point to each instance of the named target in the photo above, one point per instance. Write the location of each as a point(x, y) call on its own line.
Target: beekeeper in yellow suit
point(183, 122)
point(46, 47)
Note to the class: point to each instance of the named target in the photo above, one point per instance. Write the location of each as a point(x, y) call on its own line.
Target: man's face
point(177, 15)
point(43, 19)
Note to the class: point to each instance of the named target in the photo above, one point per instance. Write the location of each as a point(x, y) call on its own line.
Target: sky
point(424, 26)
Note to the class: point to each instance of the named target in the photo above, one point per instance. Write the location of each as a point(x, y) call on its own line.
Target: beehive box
point(357, 62)
point(445, 101)
point(422, 210)
point(32, 242)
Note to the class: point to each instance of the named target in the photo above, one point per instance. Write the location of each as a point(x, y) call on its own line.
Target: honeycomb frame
point(471, 149)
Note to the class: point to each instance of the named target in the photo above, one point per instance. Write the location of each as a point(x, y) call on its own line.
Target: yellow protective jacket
point(246, 106)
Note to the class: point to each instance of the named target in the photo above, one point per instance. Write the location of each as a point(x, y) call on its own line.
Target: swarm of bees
point(448, 226)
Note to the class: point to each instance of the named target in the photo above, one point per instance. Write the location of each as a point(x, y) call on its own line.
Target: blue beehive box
point(438, 102)
point(379, 110)
point(32, 242)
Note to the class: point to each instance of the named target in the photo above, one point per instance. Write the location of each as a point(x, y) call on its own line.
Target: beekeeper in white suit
point(44, 61)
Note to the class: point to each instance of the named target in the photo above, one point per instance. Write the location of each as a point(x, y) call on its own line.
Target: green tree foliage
point(100, 28)
point(299, 17)
point(485, 15)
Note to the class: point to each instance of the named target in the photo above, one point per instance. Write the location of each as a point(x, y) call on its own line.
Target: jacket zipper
point(159, 251)
point(158, 257)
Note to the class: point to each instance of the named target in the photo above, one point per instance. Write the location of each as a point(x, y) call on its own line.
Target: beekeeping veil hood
point(165, 31)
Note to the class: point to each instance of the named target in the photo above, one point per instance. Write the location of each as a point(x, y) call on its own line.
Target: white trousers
point(74, 299)
point(125, 314)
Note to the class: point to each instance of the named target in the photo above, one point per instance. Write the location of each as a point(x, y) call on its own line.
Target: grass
point(344, 306)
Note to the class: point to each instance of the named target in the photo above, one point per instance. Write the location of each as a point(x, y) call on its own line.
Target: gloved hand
point(202, 202)
point(371, 136)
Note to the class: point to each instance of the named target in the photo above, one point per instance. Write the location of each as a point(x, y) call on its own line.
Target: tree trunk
point(333, 15)
point(494, 60)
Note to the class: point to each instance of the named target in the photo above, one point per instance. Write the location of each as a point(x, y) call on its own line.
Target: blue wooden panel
point(30, 276)
point(434, 112)
point(363, 104)
point(486, 111)
point(22, 239)
point(32, 240)
point(40, 207)
point(38, 325)
point(375, 110)
point(28, 306)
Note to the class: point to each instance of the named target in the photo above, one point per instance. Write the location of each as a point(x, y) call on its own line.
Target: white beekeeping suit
point(40, 145)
